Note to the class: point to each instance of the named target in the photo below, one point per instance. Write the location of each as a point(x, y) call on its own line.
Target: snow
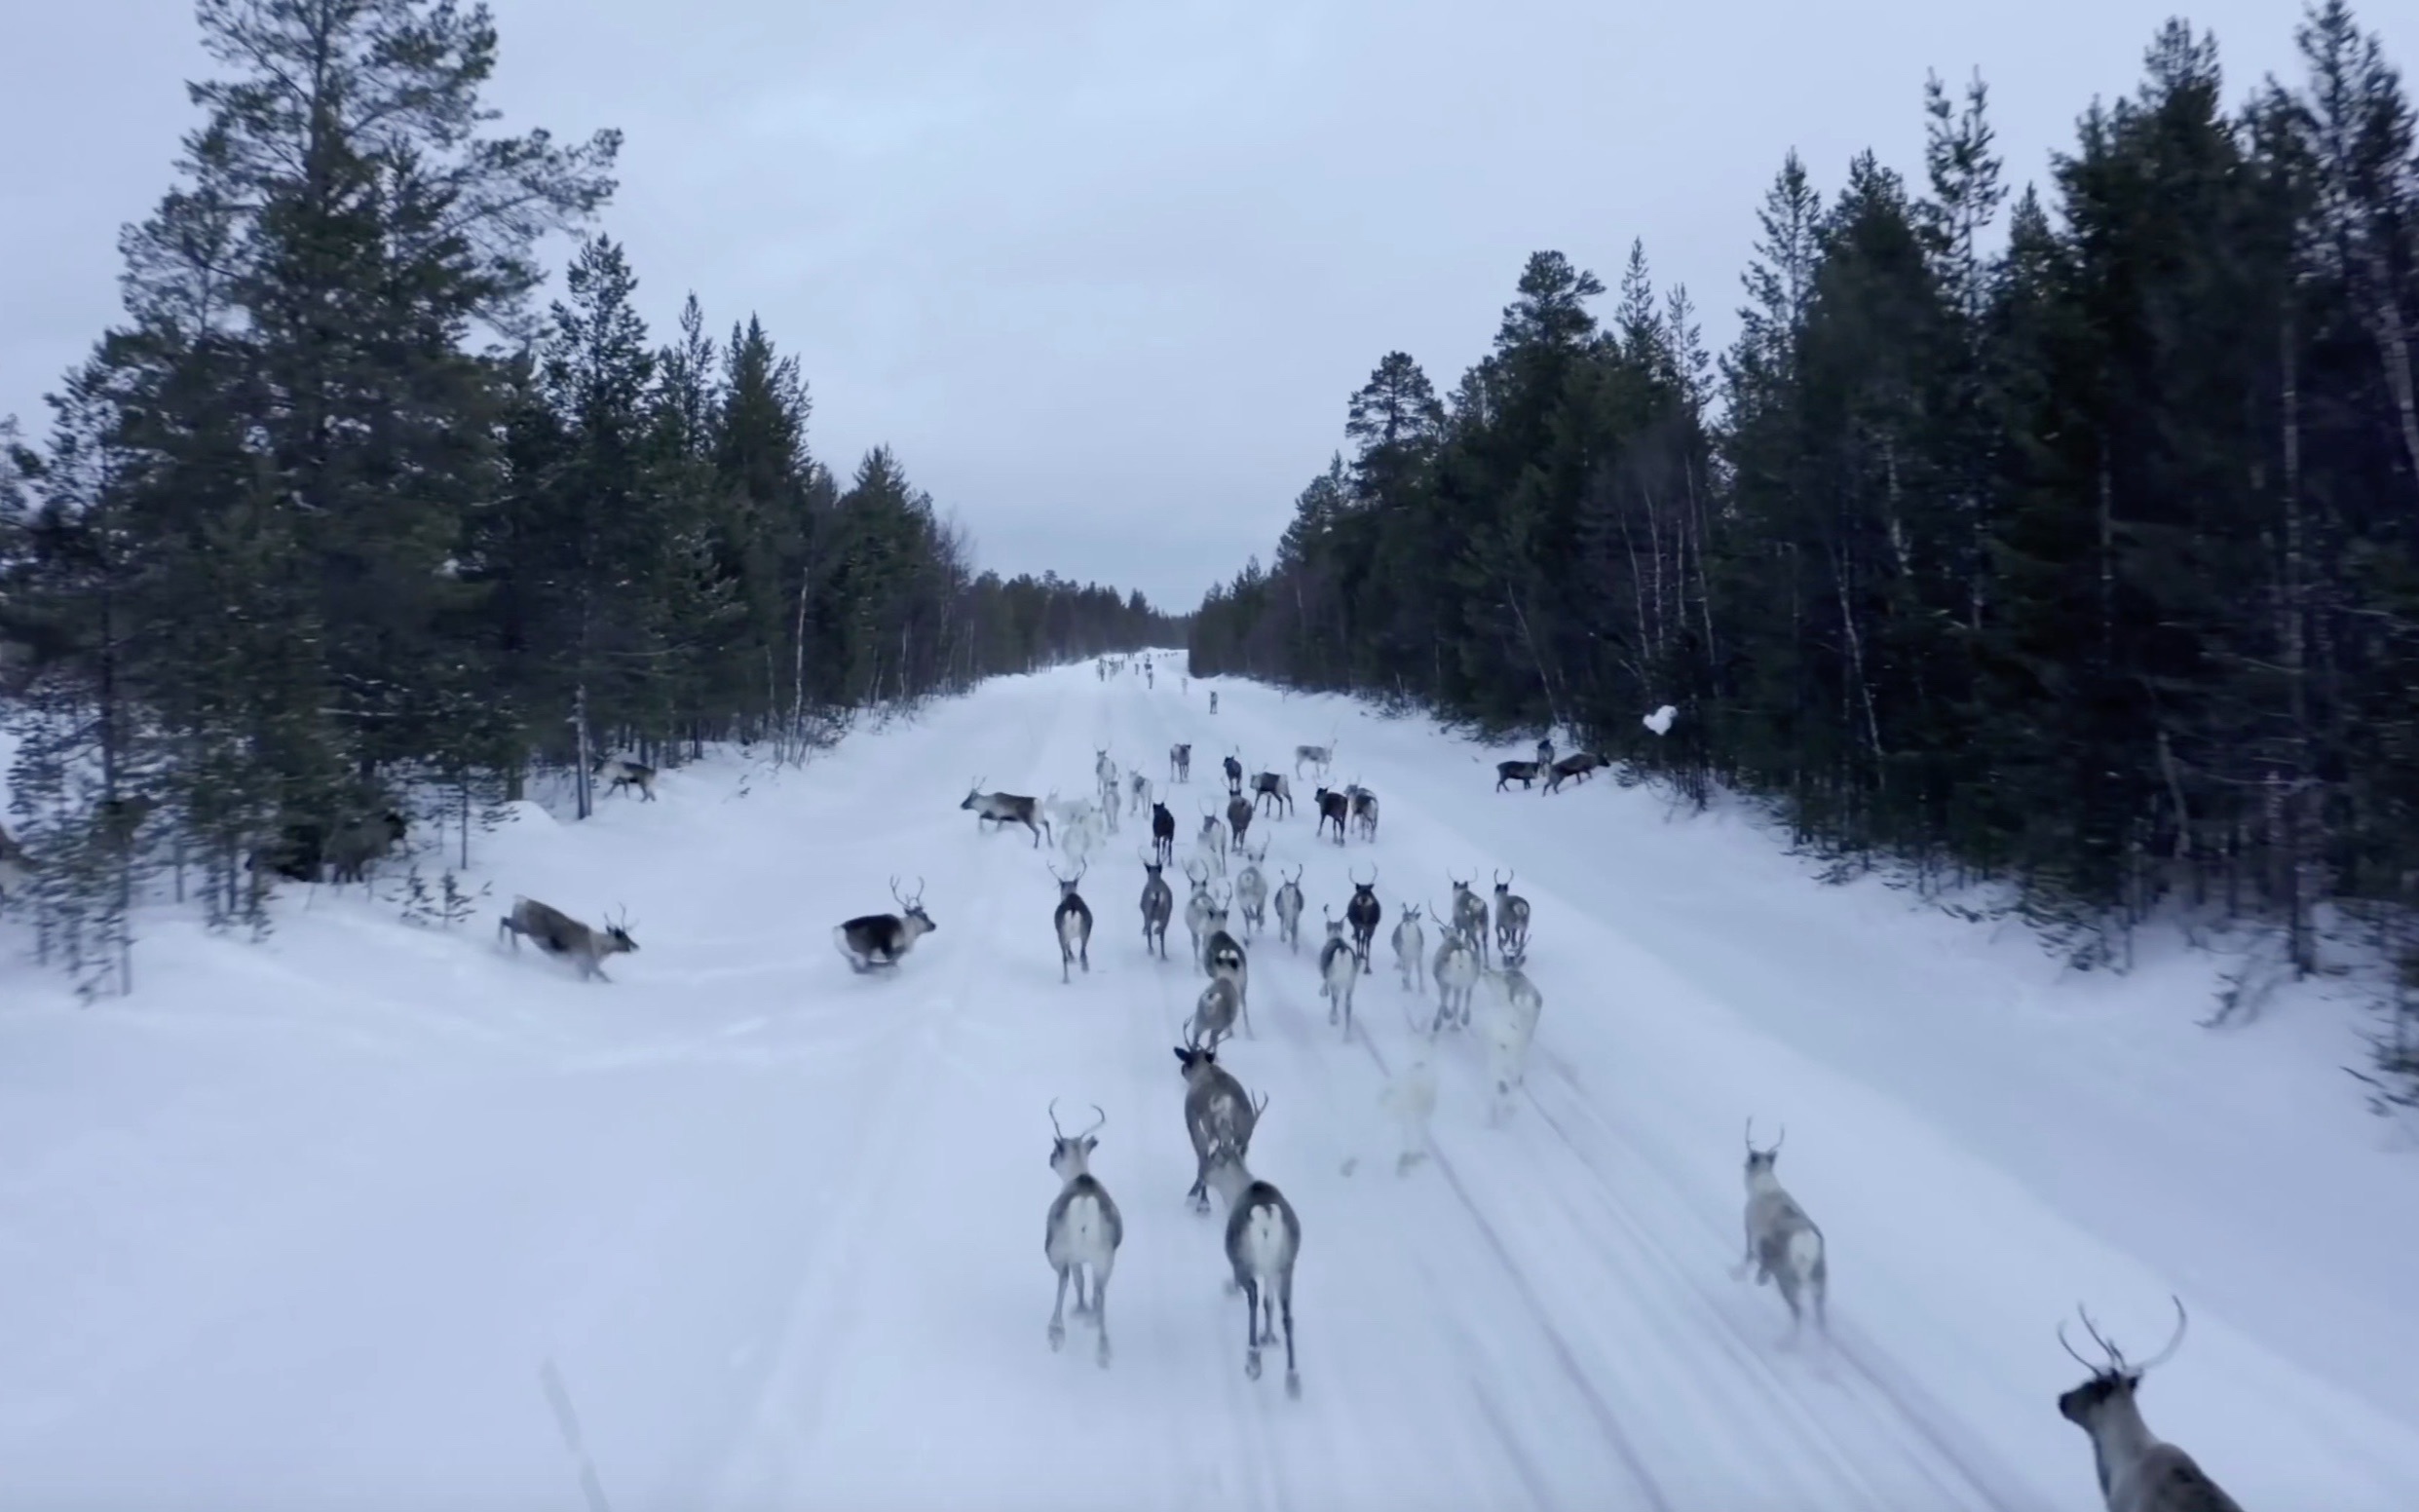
point(303, 1224)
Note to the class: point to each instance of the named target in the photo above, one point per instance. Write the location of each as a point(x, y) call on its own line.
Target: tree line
point(2073, 546)
point(335, 521)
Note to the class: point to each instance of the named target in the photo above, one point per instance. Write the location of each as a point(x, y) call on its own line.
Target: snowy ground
point(297, 1225)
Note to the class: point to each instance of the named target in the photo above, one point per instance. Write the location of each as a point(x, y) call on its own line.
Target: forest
point(2063, 538)
point(337, 522)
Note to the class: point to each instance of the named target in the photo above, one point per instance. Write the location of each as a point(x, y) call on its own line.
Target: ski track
point(825, 1288)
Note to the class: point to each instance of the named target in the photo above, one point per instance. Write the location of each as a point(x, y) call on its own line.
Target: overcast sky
point(1104, 272)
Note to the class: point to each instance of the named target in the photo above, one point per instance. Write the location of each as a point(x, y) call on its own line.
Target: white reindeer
point(1513, 1006)
point(1339, 971)
point(1410, 950)
point(1783, 1245)
point(1083, 1232)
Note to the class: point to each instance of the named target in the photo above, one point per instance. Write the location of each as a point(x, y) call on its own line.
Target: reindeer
point(1083, 1232)
point(1470, 915)
point(1319, 756)
point(1363, 913)
point(1138, 791)
point(1577, 765)
point(1180, 762)
point(2139, 1471)
point(1339, 971)
point(1158, 904)
point(1511, 920)
point(1334, 808)
point(1545, 752)
point(1783, 1244)
point(1234, 774)
point(619, 772)
point(1262, 1239)
point(1289, 909)
point(1222, 955)
point(362, 840)
point(1272, 787)
point(1163, 833)
point(1455, 970)
point(15, 865)
point(1199, 907)
point(1004, 808)
point(1523, 772)
point(1211, 844)
point(1251, 890)
point(1408, 1101)
point(1217, 1113)
point(1214, 1013)
point(1364, 812)
point(1073, 919)
point(1410, 950)
point(557, 933)
point(1238, 819)
point(1511, 1026)
point(1079, 826)
point(1213, 700)
point(872, 940)
point(1105, 771)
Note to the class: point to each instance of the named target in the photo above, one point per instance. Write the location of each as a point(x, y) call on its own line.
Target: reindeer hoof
point(1058, 1338)
point(1232, 1288)
point(1251, 1365)
point(1293, 1386)
point(1102, 1356)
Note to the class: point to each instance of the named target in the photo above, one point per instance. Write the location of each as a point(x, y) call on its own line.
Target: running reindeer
point(2139, 1471)
point(1363, 914)
point(1575, 767)
point(1410, 950)
point(1073, 922)
point(1334, 809)
point(1217, 1113)
point(1238, 821)
point(1279, 793)
point(1199, 907)
point(1234, 774)
point(1455, 970)
point(1214, 1013)
point(1251, 890)
point(1264, 1237)
point(1211, 844)
point(1163, 833)
point(1470, 914)
point(1339, 971)
point(1158, 905)
point(1319, 756)
point(1783, 1244)
point(871, 941)
point(1180, 762)
point(1138, 787)
point(1083, 1232)
point(1513, 1006)
point(557, 933)
point(1364, 812)
point(1104, 772)
point(619, 772)
point(1289, 909)
point(1222, 954)
point(998, 808)
point(1511, 920)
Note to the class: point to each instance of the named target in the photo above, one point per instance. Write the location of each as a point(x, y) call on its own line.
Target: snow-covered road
point(299, 1223)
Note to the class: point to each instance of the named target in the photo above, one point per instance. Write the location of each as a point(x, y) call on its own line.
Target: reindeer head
point(913, 907)
point(1364, 891)
point(1335, 925)
point(1071, 1154)
point(1196, 1058)
point(1461, 888)
point(1067, 885)
point(973, 794)
point(1503, 883)
point(2114, 1381)
point(1760, 1163)
point(618, 936)
point(1408, 914)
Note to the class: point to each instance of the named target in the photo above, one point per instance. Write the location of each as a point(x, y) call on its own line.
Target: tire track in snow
point(768, 1449)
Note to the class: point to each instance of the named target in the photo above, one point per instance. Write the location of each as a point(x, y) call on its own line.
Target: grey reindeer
point(1783, 1244)
point(2139, 1471)
point(1217, 1113)
point(1511, 918)
point(1222, 955)
point(1083, 1232)
point(1251, 890)
point(1339, 971)
point(557, 933)
point(1455, 971)
point(1072, 920)
point(1214, 1014)
point(1263, 1238)
point(1410, 950)
point(1158, 905)
point(1289, 909)
point(871, 941)
point(997, 809)
point(1470, 914)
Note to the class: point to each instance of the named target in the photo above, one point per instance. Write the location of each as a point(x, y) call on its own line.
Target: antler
point(1751, 1138)
point(1054, 1128)
point(1358, 882)
point(1097, 1123)
point(1260, 1105)
point(2116, 1356)
point(1502, 881)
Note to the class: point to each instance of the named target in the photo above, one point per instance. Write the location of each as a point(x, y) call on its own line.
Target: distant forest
point(2083, 555)
point(336, 519)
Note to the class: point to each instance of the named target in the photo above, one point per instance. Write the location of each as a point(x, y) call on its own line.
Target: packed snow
point(384, 1214)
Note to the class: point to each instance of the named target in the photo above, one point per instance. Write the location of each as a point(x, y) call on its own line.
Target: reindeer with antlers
point(1083, 1232)
point(1783, 1244)
point(997, 809)
point(1158, 904)
point(1289, 909)
point(1363, 914)
point(871, 941)
point(1072, 920)
point(557, 933)
point(1511, 918)
point(2139, 1471)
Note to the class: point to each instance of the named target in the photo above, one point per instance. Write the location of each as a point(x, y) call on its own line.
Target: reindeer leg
point(1099, 1313)
point(1285, 1303)
point(1058, 1314)
point(1251, 1327)
point(1738, 1272)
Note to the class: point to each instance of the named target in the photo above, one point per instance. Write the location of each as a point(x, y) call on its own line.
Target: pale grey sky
point(1104, 272)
